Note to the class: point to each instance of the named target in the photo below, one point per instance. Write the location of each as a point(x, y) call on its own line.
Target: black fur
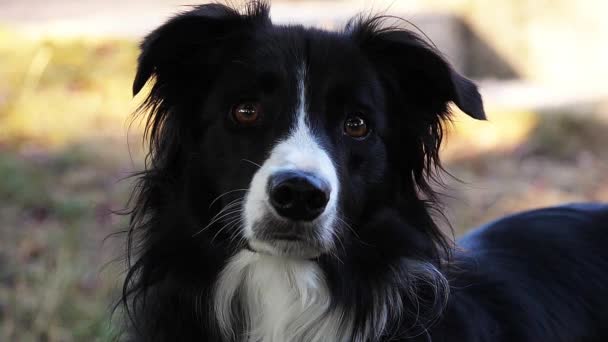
point(536, 276)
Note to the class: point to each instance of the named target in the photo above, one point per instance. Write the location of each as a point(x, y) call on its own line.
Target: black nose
point(298, 195)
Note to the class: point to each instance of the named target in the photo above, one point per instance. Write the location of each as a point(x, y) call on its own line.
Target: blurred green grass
point(64, 108)
point(64, 120)
point(56, 211)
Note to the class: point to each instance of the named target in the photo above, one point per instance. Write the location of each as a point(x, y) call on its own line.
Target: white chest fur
point(283, 300)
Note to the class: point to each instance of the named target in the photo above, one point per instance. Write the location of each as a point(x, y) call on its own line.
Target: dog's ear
point(419, 85)
point(416, 70)
point(194, 41)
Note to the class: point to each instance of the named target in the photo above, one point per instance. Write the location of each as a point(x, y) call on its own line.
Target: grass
point(55, 217)
point(64, 109)
point(560, 158)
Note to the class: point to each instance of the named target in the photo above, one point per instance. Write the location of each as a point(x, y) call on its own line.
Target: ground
point(68, 144)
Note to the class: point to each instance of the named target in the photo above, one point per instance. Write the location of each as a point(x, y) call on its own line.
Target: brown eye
point(246, 113)
point(356, 127)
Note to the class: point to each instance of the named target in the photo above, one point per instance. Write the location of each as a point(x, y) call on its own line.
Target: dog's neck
point(276, 299)
point(263, 298)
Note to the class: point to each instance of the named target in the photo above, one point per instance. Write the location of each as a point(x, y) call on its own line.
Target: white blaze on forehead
point(283, 298)
point(299, 151)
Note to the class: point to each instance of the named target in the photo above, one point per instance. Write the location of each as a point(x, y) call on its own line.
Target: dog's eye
point(246, 113)
point(356, 127)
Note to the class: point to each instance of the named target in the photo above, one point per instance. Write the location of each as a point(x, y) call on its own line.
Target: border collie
point(287, 197)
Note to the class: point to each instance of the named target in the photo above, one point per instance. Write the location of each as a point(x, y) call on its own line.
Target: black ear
point(416, 68)
point(192, 41)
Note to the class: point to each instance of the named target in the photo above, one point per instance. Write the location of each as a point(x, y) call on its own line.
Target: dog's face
point(294, 135)
point(302, 132)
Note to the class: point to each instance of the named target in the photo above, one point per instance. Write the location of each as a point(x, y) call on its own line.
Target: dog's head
point(287, 140)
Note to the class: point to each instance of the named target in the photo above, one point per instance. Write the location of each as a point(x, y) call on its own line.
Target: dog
point(287, 197)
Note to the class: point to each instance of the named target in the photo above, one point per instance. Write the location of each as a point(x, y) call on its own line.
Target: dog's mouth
point(285, 248)
point(286, 237)
point(295, 240)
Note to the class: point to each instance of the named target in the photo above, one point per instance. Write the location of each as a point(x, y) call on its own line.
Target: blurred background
point(68, 140)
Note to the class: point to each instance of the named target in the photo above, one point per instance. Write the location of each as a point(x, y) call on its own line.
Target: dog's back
point(535, 276)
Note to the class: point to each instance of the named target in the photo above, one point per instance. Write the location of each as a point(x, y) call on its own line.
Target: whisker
point(251, 162)
point(224, 227)
point(235, 233)
point(337, 238)
point(347, 226)
point(221, 214)
point(230, 205)
point(216, 220)
point(242, 242)
point(230, 226)
point(224, 194)
point(234, 220)
point(352, 230)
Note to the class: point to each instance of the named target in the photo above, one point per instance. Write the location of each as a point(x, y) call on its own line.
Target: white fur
point(299, 151)
point(287, 300)
point(284, 300)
